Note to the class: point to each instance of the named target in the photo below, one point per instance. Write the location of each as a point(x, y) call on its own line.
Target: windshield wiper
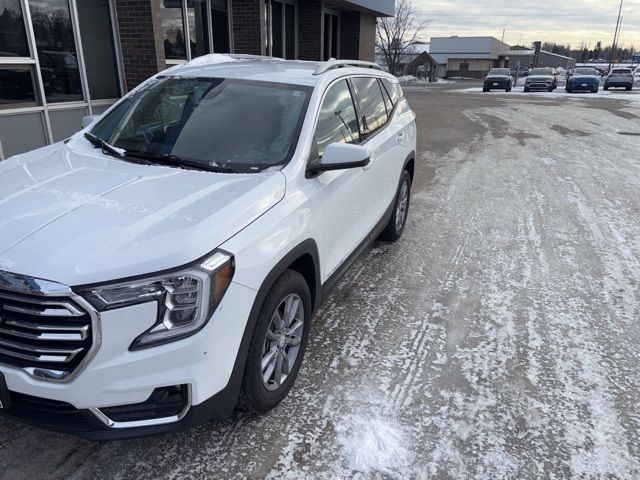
point(176, 161)
point(106, 148)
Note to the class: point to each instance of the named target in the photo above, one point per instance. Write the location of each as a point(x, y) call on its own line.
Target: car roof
point(271, 69)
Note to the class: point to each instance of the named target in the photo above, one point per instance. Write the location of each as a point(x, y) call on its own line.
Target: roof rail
point(332, 64)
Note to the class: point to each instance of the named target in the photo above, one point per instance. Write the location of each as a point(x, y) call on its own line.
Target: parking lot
point(497, 339)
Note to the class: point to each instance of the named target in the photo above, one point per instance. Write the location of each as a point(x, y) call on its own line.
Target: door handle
point(401, 136)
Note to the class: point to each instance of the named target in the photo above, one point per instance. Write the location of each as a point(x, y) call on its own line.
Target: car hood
point(539, 78)
point(70, 214)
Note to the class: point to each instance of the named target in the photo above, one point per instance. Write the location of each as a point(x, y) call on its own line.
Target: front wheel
point(395, 227)
point(508, 89)
point(278, 344)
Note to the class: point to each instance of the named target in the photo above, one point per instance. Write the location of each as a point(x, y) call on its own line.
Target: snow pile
point(410, 79)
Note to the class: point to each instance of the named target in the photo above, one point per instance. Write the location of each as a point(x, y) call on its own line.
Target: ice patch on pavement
point(372, 444)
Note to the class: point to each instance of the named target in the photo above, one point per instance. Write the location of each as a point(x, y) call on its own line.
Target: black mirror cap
point(318, 167)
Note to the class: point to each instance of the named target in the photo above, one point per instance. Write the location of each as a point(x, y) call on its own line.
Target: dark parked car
point(498, 79)
point(541, 79)
point(583, 79)
point(619, 77)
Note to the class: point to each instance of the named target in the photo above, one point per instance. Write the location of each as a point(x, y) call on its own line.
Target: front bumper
point(206, 363)
point(583, 86)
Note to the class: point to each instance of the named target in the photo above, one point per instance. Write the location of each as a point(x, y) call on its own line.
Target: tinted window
point(585, 71)
point(99, 48)
point(243, 125)
point(393, 89)
point(541, 71)
point(373, 113)
point(337, 121)
point(173, 28)
point(13, 39)
point(56, 50)
point(387, 100)
point(621, 71)
point(16, 86)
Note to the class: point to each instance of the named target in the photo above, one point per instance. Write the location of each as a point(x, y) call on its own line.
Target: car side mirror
point(340, 156)
point(88, 120)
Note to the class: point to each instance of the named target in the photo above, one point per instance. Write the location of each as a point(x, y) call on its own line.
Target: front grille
point(46, 336)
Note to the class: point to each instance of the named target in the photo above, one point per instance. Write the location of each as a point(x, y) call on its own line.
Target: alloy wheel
point(282, 342)
point(402, 206)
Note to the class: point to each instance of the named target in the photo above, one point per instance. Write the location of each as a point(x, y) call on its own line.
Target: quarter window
point(393, 89)
point(373, 114)
point(337, 121)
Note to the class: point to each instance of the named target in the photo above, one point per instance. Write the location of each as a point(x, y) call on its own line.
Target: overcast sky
point(561, 21)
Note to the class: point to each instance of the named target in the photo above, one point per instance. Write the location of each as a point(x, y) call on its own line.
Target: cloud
point(571, 21)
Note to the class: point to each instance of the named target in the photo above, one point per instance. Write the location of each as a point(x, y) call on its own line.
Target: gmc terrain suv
point(162, 266)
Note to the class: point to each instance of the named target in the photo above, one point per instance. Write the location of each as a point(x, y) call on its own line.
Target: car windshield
point(585, 71)
point(541, 71)
point(208, 123)
point(621, 71)
point(500, 72)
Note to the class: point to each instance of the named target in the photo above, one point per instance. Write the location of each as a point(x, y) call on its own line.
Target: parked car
point(541, 79)
point(498, 79)
point(163, 265)
point(636, 75)
point(583, 79)
point(619, 78)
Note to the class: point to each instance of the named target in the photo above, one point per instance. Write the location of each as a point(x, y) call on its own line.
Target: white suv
point(162, 266)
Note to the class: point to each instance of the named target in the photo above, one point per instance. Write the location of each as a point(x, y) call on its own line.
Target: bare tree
point(396, 35)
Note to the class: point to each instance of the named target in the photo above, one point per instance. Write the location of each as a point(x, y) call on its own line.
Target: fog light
point(165, 403)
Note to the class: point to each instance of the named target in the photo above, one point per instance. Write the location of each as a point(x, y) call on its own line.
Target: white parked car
point(163, 265)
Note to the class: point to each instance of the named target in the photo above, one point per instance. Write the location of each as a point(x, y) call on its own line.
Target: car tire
point(569, 90)
point(550, 89)
point(526, 90)
point(595, 90)
point(395, 227)
point(260, 396)
point(485, 89)
point(606, 88)
point(508, 89)
point(629, 89)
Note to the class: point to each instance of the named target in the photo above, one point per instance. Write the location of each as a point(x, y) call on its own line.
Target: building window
point(198, 27)
point(207, 23)
point(282, 29)
point(331, 35)
point(99, 49)
point(13, 38)
point(17, 86)
point(173, 28)
point(220, 26)
point(56, 50)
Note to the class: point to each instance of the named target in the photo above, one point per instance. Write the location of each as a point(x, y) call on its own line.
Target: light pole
point(615, 35)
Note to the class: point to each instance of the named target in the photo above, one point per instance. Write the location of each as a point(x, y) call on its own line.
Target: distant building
point(525, 56)
point(412, 51)
point(468, 57)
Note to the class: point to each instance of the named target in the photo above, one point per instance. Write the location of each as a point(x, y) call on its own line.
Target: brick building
point(63, 59)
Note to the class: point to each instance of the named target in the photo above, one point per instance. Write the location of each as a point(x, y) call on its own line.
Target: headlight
point(186, 299)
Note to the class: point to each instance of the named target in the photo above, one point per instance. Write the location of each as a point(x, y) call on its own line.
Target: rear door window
point(373, 113)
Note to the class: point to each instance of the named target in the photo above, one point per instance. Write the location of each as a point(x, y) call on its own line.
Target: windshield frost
point(216, 122)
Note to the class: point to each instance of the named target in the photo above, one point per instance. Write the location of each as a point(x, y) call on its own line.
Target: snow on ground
point(410, 79)
point(498, 339)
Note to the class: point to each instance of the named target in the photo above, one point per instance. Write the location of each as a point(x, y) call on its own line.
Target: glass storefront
point(201, 24)
point(58, 63)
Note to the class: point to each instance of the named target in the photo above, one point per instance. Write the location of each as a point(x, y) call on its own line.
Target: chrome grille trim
point(31, 341)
